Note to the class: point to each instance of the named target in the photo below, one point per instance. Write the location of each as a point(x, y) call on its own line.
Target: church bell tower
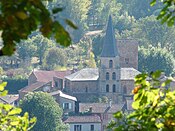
point(109, 70)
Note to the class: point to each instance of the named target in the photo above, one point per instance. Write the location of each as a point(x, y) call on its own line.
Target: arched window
point(113, 76)
point(114, 88)
point(107, 88)
point(107, 75)
point(124, 90)
point(110, 64)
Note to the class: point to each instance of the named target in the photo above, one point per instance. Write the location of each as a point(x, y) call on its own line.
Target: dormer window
point(107, 75)
point(110, 64)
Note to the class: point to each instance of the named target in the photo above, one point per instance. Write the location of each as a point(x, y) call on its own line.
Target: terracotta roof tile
point(33, 86)
point(45, 76)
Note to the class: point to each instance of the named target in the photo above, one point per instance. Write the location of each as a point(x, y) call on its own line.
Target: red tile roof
point(33, 86)
point(83, 119)
point(45, 76)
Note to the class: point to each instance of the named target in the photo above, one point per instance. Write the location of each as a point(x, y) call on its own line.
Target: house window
point(113, 76)
point(107, 76)
point(66, 106)
point(110, 64)
point(107, 88)
point(127, 60)
point(124, 90)
point(92, 128)
point(77, 128)
point(114, 88)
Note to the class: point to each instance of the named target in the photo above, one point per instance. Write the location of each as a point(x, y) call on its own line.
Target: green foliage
point(46, 109)
point(167, 12)
point(55, 57)
point(124, 22)
point(91, 62)
point(100, 11)
point(19, 18)
point(139, 8)
point(75, 10)
point(154, 106)
point(10, 120)
point(155, 58)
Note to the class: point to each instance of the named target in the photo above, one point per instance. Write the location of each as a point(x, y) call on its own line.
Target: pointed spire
point(109, 45)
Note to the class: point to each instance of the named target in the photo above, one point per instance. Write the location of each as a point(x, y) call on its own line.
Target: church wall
point(105, 62)
point(81, 86)
point(128, 50)
point(128, 84)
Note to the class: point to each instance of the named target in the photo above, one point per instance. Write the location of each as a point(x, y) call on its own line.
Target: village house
point(84, 123)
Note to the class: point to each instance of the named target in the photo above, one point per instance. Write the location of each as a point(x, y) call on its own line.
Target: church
point(114, 78)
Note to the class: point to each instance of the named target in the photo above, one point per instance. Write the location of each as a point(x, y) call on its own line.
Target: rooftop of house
point(100, 107)
point(83, 119)
point(9, 99)
point(61, 94)
point(33, 86)
point(45, 76)
point(92, 74)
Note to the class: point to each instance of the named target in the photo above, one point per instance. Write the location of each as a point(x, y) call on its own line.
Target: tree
point(26, 49)
point(43, 44)
point(10, 119)
point(19, 18)
point(154, 107)
point(139, 8)
point(167, 12)
point(55, 57)
point(100, 10)
point(45, 109)
point(91, 62)
point(155, 58)
point(77, 11)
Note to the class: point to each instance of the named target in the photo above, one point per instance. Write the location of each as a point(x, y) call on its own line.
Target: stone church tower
point(109, 70)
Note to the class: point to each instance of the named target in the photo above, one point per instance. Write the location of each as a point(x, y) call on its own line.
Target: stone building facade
point(115, 76)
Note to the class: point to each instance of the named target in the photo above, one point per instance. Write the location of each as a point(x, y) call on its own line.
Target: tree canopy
point(155, 58)
point(45, 109)
point(19, 18)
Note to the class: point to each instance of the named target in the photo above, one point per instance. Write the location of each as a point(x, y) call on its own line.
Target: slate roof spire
point(109, 45)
